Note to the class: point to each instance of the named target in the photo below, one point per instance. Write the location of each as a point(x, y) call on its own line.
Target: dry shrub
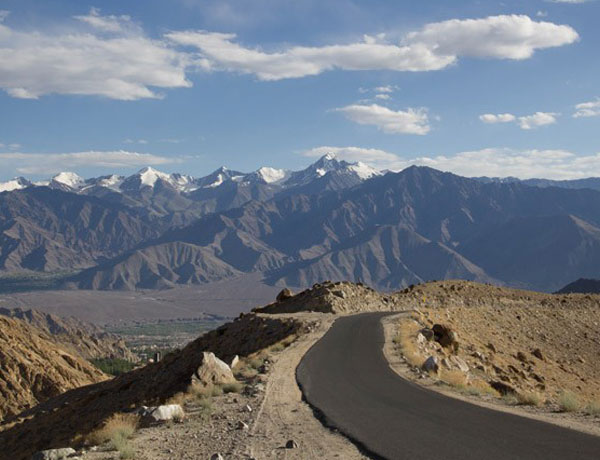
point(593, 407)
point(233, 387)
point(203, 392)
point(568, 401)
point(454, 378)
point(407, 341)
point(116, 427)
point(530, 398)
point(480, 387)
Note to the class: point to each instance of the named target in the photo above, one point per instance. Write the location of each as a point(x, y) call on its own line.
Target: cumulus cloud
point(587, 109)
point(492, 162)
point(434, 47)
point(48, 163)
point(123, 64)
point(491, 118)
point(411, 121)
point(537, 119)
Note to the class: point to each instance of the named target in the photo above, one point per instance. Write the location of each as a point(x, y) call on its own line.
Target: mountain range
point(333, 220)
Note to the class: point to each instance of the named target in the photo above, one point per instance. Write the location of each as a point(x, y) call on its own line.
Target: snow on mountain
point(17, 183)
point(272, 175)
point(364, 171)
point(68, 179)
point(148, 176)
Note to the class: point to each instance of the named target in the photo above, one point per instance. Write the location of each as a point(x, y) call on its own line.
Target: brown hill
point(35, 367)
point(81, 338)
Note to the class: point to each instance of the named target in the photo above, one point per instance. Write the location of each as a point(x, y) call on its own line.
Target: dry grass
point(568, 402)
point(457, 379)
point(530, 398)
point(233, 387)
point(406, 339)
point(119, 426)
point(593, 407)
point(479, 387)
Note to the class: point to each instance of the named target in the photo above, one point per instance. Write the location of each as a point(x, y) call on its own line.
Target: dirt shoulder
point(450, 382)
point(270, 407)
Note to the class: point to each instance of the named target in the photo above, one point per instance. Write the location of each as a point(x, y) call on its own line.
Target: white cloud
point(411, 121)
point(383, 97)
point(135, 141)
point(491, 118)
point(537, 119)
point(385, 89)
point(587, 109)
point(492, 162)
point(48, 163)
point(434, 47)
point(107, 23)
point(541, 14)
point(124, 64)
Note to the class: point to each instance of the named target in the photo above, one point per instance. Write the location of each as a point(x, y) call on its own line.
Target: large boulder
point(284, 295)
point(445, 336)
point(431, 365)
point(213, 371)
point(54, 454)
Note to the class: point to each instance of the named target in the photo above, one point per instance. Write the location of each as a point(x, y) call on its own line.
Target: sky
point(473, 87)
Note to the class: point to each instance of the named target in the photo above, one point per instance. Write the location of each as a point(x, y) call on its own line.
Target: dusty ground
point(478, 327)
point(277, 416)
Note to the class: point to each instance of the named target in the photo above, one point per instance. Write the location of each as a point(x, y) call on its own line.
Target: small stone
point(291, 444)
point(247, 408)
point(431, 365)
point(216, 457)
point(521, 357)
point(242, 426)
point(538, 354)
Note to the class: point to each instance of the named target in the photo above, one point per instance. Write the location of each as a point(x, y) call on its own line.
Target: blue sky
point(473, 87)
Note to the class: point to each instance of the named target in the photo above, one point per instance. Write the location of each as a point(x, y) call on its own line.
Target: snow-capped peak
point(271, 175)
point(148, 176)
point(17, 183)
point(364, 171)
point(70, 179)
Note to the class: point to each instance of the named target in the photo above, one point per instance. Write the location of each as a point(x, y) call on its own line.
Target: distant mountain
point(582, 286)
point(388, 231)
point(590, 182)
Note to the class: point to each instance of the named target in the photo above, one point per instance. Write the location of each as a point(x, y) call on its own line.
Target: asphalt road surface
point(346, 377)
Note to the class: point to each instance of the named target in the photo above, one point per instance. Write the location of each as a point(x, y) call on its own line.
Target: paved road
point(347, 378)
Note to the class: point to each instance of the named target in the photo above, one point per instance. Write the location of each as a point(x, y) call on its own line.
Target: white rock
point(421, 339)
point(216, 457)
point(235, 361)
point(214, 371)
point(167, 412)
point(53, 454)
point(460, 363)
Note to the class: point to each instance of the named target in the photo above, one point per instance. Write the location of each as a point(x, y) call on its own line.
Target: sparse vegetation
point(233, 387)
point(456, 379)
point(406, 340)
point(117, 428)
point(530, 398)
point(113, 366)
point(568, 401)
point(593, 407)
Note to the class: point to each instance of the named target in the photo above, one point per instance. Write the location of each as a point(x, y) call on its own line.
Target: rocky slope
point(35, 367)
point(81, 338)
point(65, 419)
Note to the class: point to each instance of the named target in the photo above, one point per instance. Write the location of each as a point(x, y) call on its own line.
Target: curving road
point(346, 377)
